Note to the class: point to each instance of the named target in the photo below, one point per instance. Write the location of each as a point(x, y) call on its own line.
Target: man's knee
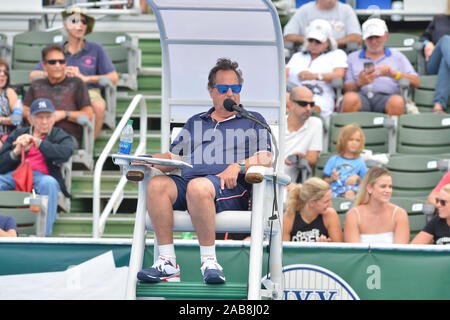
point(200, 188)
point(395, 105)
point(99, 106)
point(351, 102)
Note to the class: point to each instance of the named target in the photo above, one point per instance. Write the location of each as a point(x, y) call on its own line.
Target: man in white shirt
point(342, 17)
point(304, 133)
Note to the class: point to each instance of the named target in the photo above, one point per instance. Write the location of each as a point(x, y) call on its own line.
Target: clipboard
point(120, 159)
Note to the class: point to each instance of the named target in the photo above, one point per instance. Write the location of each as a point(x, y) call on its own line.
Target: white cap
point(374, 27)
point(319, 29)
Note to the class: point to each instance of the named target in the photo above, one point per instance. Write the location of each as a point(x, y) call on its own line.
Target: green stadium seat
point(423, 95)
point(425, 133)
point(404, 42)
point(12, 204)
point(376, 127)
point(413, 176)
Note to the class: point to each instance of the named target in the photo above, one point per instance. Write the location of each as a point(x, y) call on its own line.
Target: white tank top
point(385, 237)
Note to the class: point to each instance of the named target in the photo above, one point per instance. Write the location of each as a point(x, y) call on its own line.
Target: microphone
point(231, 106)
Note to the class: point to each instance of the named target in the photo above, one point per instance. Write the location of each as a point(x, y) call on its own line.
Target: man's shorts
point(96, 94)
point(377, 103)
point(226, 199)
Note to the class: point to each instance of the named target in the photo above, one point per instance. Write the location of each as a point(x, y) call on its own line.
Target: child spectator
point(345, 170)
point(309, 216)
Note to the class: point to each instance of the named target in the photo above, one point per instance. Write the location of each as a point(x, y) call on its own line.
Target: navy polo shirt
point(7, 223)
point(92, 60)
point(210, 146)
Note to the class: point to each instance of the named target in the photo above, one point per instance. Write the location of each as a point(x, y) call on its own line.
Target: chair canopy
point(194, 34)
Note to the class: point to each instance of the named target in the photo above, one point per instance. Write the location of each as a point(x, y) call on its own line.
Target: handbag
point(23, 175)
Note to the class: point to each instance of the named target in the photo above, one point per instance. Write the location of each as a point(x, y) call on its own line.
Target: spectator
point(435, 192)
point(372, 74)
point(86, 60)
point(8, 226)
point(8, 98)
point(45, 148)
point(304, 133)
point(345, 170)
point(437, 231)
point(69, 95)
point(215, 183)
point(436, 40)
point(374, 219)
point(341, 16)
point(317, 64)
point(309, 216)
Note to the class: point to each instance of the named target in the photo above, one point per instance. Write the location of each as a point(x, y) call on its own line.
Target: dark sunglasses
point(5, 72)
point(54, 61)
point(443, 203)
point(76, 20)
point(314, 41)
point(303, 103)
point(223, 88)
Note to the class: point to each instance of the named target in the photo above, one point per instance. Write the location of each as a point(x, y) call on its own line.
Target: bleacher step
point(192, 290)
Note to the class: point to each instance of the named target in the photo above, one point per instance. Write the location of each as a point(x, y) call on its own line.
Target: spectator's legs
point(200, 202)
point(99, 111)
point(395, 106)
point(439, 64)
point(351, 102)
point(161, 195)
point(47, 185)
point(7, 182)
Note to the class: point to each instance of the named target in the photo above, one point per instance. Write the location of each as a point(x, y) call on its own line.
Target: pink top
point(445, 180)
point(36, 159)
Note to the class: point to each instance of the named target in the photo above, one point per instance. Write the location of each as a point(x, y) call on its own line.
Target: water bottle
point(16, 116)
point(126, 138)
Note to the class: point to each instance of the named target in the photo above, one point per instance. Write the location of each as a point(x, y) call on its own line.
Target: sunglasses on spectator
point(443, 203)
point(303, 103)
point(54, 61)
point(76, 20)
point(223, 88)
point(5, 72)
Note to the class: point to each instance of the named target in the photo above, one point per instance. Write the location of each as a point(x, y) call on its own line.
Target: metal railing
point(99, 220)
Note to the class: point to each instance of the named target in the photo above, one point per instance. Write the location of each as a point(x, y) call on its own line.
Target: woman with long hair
point(8, 98)
point(309, 216)
point(374, 219)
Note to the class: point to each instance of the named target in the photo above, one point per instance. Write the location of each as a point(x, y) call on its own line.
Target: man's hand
point(428, 50)
point(228, 177)
point(366, 77)
point(386, 71)
point(25, 141)
point(72, 71)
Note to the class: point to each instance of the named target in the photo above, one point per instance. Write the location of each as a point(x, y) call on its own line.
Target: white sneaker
point(162, 270)
point(212, 271)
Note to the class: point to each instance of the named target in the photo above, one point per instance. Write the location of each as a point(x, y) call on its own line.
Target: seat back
point(123, 54)
point(13, 203)
point(424, 133)
point(27, 47)
point(5, 48)
point(413, 176)
point(414, 207)
point(404, 42)
point(342, 206)
point(424, 94)
point(372, 124)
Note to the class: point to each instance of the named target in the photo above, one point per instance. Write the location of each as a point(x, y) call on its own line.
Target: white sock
point(207, 252)
point(168, 250)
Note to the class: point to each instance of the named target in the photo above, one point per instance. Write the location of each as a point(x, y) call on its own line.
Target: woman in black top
point(309, 216)
point(437, 231)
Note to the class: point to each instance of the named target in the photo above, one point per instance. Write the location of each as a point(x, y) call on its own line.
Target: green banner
point(311, 271)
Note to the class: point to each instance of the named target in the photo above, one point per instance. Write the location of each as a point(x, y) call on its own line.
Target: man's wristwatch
point(242, 164)
point(67, 115)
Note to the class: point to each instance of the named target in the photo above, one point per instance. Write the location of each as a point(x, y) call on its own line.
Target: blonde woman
point(309, 216)
point(437, 231)
point(374, 219)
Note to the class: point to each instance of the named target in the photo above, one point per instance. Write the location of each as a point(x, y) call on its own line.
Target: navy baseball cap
point(41, 105)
